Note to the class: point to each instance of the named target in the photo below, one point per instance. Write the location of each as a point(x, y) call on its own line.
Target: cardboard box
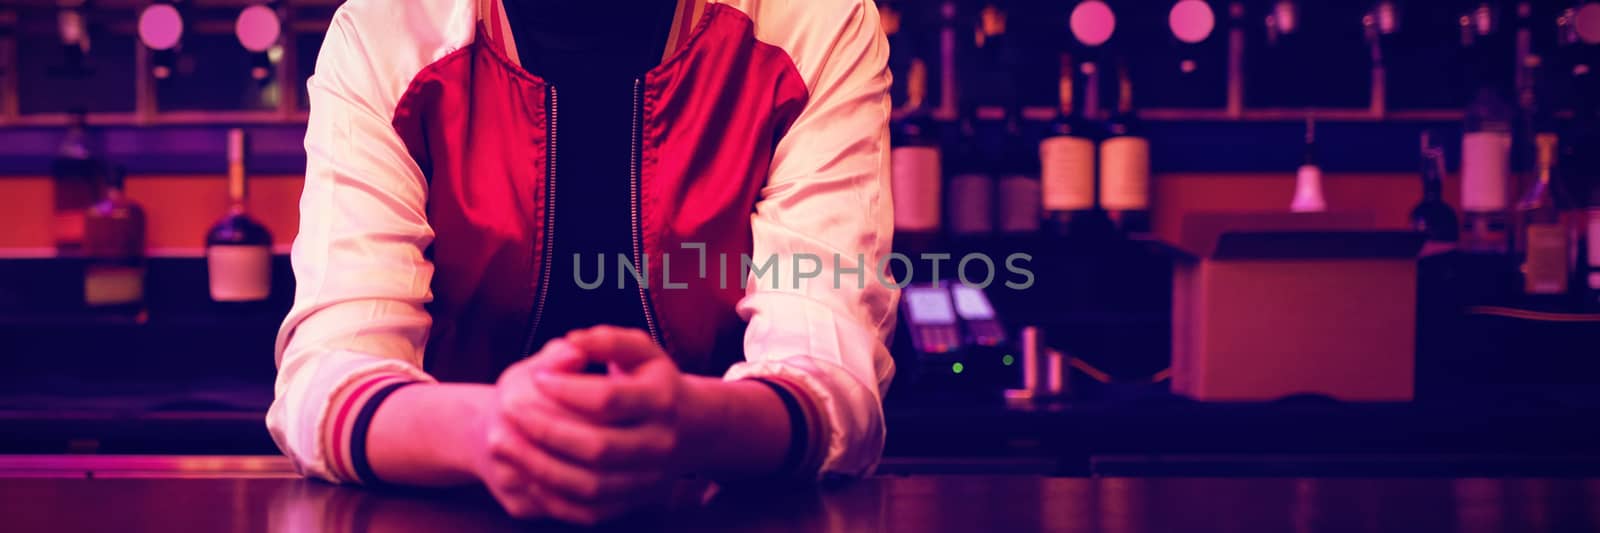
point(1277, 304)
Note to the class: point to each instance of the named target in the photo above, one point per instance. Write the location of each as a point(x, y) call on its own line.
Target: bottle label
point(1485, 161)
point(1308, 191)
point(1545, 270)
point(1019, 204)
point(971, 204)
point(117, 234)
point(69, 227)
point(1067, 176)
point(1125, 173)
point(113, 285)
point(915, 171)
point(239, 273)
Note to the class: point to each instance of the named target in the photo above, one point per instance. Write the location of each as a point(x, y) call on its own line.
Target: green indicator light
point(1007, 360)
point(957, 368)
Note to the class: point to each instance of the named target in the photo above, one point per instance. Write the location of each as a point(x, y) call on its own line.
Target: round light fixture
point(257, 28)
point(1191, 21)
point(1093, 22)
point(160, 27)
point(1588, 23)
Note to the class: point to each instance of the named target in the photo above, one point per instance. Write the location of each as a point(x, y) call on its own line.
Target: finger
point(519, 395)
point(583, 485)
point(605, 399)
point(558, 355)
point(511, 487)
point(625, 347)
point(588, 444)
point(519, 504)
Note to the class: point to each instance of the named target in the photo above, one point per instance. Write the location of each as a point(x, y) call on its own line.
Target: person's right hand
point(531, 482)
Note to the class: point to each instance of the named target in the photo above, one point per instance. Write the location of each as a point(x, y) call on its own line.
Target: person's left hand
point(632, 412)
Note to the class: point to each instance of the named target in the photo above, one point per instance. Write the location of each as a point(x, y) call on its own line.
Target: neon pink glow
point(1092, 22)
point(257, 28)
point(160, 27)
point(1191, 21)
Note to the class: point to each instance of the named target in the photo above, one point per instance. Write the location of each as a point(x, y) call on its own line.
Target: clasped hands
point(585, 448)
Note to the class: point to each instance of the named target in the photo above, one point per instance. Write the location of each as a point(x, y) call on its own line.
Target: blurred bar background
point(1265, 236)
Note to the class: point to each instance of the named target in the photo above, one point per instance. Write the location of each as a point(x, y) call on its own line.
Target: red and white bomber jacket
point(762, 134)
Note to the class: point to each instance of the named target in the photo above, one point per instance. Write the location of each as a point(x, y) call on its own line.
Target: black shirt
point(593, 54)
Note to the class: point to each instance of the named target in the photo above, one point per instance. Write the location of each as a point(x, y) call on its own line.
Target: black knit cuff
point(358, 434)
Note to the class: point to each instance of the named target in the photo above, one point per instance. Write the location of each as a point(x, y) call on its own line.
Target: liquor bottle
point(238, 249)
point(1125, 163)
point(1432, 217)
point(1308, 179)
point(1067, 158)
point(114, 244)
point(1485, 170)
point(972, 183)
point(76, 172)
point(915, 165)
point(1529, 119)
point(1544, 267)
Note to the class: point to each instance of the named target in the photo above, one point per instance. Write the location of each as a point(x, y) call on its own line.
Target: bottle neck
point(1065, 88)
point(237, 191)
point(917, 84)
point(1311, 142)
point(1091, 91)
point(1124, 93)
point(1432, 188)
point(991, 23)
point(889, 19)
point(1544, 155)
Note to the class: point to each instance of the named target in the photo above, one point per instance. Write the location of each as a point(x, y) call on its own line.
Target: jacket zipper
point(634, 208)
point(543, 289)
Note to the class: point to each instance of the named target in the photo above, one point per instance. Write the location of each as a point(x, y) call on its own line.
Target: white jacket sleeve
point(827, 197)
point(358, 327)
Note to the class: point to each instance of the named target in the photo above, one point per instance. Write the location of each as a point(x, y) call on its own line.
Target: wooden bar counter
point(240, 494)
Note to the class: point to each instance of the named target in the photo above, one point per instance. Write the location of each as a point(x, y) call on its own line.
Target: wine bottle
point(1432, 217)
point(1066, 158)
point(972, 184)
point(1589, 261)
point(999, 59)
point(114, 240)
point(902, 48)
point(76, 173)
point(1125, 163)
point(1544, 267)
point(1582, 175)
point(1018, 166)
point(914, 161)
point(1308, 179)
point(1485, 170)
point(238, 249)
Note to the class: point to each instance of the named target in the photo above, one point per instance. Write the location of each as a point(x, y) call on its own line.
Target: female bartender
point(473, 165)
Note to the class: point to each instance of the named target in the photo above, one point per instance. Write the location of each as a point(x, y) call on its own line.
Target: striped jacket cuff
point(350, 415)
point(807, 431)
